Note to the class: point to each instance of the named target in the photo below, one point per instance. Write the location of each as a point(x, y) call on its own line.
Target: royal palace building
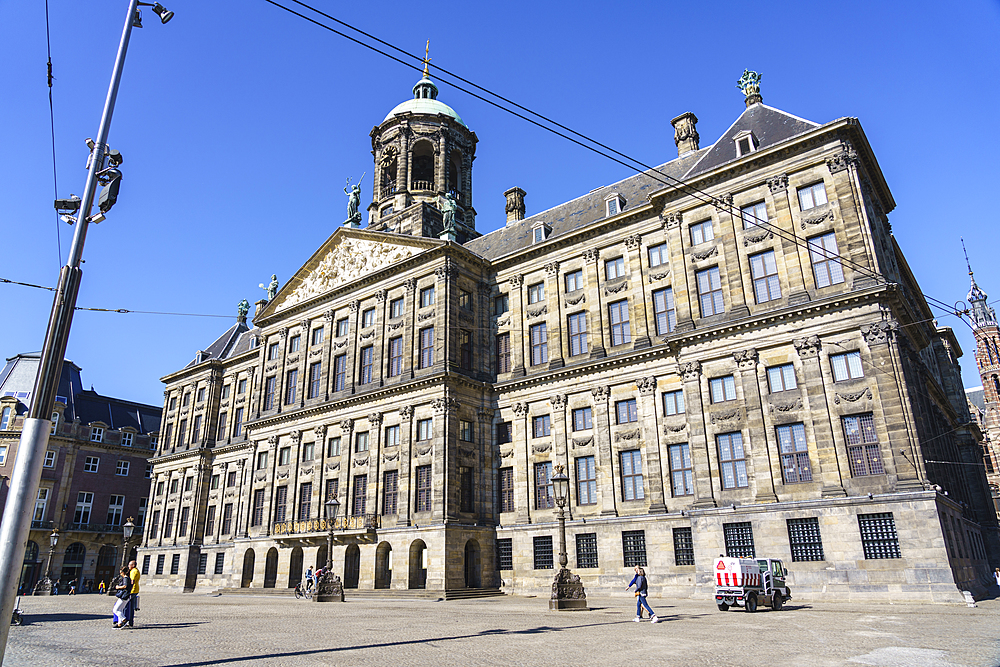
point(727, 353)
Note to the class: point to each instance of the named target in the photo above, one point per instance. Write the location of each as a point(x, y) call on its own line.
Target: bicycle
point(303, 592)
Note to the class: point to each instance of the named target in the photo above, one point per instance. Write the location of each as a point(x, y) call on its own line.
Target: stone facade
point(741, 364)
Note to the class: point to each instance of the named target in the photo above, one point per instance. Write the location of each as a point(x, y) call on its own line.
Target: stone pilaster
point(554, 316)
point(605, 457)
point(517, 336)
point(522, 473)
point(595, 327)
point(650, 436)
point(757, 441)
point(637, 292)
point(730, 268)
point(830, 474)
point(560, 453)
point(405, 464)
point(698, 434)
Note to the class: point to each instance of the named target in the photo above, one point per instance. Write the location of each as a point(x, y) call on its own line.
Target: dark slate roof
point(977, 397)
point(233, 342)
point(116, 413)
point(18, 379)
point(769, 125)
point(581, 211)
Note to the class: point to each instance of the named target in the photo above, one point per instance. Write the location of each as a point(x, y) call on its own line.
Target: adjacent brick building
point(728, 353)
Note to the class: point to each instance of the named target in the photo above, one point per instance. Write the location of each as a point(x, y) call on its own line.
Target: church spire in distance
point(981, 313)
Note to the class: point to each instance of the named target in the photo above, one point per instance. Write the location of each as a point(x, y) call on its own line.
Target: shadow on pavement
point(34, 619)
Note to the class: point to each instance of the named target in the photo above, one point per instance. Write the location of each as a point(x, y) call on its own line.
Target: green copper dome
point(425, 102)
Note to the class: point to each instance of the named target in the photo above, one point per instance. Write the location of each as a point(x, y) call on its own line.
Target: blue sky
point(239, 124)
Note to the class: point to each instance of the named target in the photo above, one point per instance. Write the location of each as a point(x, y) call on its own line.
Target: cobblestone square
point(194, 630)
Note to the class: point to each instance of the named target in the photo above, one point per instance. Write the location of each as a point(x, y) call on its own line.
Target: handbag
point(123, 594)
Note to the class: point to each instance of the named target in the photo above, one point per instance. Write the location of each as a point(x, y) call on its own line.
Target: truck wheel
point(723, 606)
point(750, 604)
point(777, 601)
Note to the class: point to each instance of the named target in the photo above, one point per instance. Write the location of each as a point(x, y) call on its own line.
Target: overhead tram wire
point(678, 184)
point(52, 128)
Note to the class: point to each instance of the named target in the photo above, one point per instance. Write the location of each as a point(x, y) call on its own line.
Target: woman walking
point(641, 587)
point(123, 591)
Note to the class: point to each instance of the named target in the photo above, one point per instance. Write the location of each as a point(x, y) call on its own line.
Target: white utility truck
point(749, 582)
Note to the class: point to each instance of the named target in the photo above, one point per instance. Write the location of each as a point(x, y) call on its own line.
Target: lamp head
point(560, 485)
point(331, 507)
point(161, 11)
point(54, 538)
point(128, 529)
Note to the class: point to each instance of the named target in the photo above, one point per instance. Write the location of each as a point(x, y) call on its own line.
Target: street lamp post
point(127, 530)
point(44, 585)
point(35, 433)
point(329, 588)
point(567, 589)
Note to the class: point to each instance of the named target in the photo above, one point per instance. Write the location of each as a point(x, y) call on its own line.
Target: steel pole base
point(43, 587)
point(329, 589)
point(568, 605)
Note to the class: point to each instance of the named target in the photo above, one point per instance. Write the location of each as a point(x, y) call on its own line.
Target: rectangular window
point(586, 550)
point(332, 488)
point(574, 280)
point(213, 483)
point(710, 292)
point(156, 525)
point(664, 311)
point(658, 255)
point(140, 517)
point(261, 460)
point(201, 394)
point(427, 347)
point(878, 536)
point(396, 308)
point(220, 562)
point(794, 453)
point(187, 399)
point(96, 434)
point(543, 486)
point(754, 215)
point(241, 386)
point(847, 366)
point(423, 488)
point(343, 327)
point(173, 485)
point(506, 489)
point(231, 479)
point(122, 469)
point(505, 433)
point(91, 464)
point(222, 426)
point(360, 495)
point(702, 232)
point(804, 539)
point(182, 529)
point(732, 460)
point(536, 293)
point(284, 456)
point(503, 353)
point(465, 488)
point(781, 378)
point(238, 423)
point(368, 318)
point(465, 430)
point(631, 462)
point(333, 447)
point(116, 506)
point(812, 196)
point(202, 563)
point(126, 439)
point(175, 563)
point(392, 436)
point(427, 297)
point(577, 334)
point(317, 336)
point(159, 563)
point(291, 386)
point(5, 419)
point(618, 315)
point(683, 547)
point(361, 442)
point(188, 483)
point(159, 488)
point(681, 471)
point(395, 356)
point(586, 480)
point(169, 436)
point(257, 516)
point(862, 445)
point(673, 402)
point(722, 389)
point(315, 377)
point(225, 391)
point(305, 501)
point(308, 451)
point(824, 255)
point(41, 500)
point(465, 349)
point(145, 564)
point(210, 521)
point(269, 386)
point(614, 268)
point(424, 429)
point(196, 430)
point(339, 372)
point(465, 300)
point(50, 459)
point(227, 519)
point(168, 525)
point(390, 491)
point(582, 419)
point(539, 344)
point(626, 411)
point(764, 271)
point(367, 357)
point(542, 551)
point(501, 304)
point(272, 351)
point(739, 540)
point(634, 548)
point(505, 553)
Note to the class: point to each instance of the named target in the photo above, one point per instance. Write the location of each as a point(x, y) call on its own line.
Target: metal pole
point(563, 558)
point(35, 434)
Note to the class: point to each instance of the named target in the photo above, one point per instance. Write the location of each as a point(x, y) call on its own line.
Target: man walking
point(133, 603)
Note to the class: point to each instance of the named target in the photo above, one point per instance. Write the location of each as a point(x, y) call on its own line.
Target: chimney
point(515, 204)
point(259, 307)
point(685, 133)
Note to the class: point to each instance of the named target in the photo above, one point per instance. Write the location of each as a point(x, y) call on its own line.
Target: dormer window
point(746, 143)
point(540, 231)
point(615, 204)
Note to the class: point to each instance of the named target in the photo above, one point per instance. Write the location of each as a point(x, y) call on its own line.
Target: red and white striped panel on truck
point(736, 572)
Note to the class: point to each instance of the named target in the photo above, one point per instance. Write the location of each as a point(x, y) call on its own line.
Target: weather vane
point(427, 58)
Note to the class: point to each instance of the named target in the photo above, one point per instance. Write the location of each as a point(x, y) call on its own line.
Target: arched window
point(455, 174)
point(423, 166)
point(996, 385)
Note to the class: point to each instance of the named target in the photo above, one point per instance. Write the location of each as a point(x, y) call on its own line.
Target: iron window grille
point(505, 553)
point(794, 450)
point(159, 563)
point(220, 561)
point(542, 546)
point(805, 540)
point(586, 550)
point(878, 536)
point(739, 540)
point(634, 548)
point(175, 563)
point(683, 547)
point(145, 564)
point(202, 563)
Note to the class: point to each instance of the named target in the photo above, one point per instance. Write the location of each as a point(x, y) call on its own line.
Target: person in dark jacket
point(641, 587)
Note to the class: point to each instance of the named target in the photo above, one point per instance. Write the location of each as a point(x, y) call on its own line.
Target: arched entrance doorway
point(73, 562)
point(107, 560)
point(248, 564)
point(321, 558)
point(295, 567)
point(383, 566)
point(418, 565)
point(271, 568)
point(352, 566)
point(29, 570)
point(472, 565)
